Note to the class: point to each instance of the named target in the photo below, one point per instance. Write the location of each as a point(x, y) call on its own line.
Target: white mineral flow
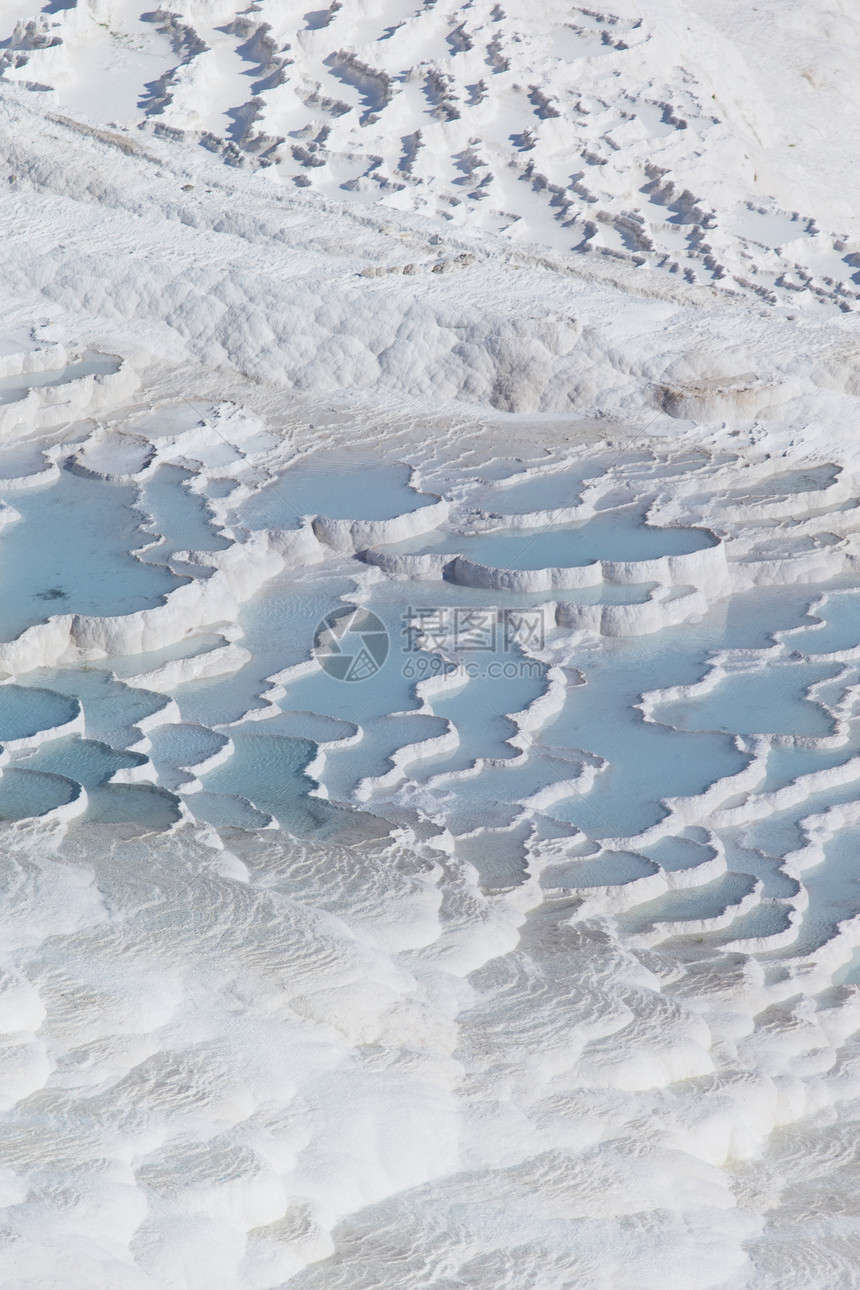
point(429, 646)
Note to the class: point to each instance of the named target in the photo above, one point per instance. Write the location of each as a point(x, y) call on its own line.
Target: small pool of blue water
point(368, 705)
point(770, 700)
point(812, 480)
point(70, 553)
point(677, 853)
point(197, 645)
point(339, 485)
point(751, 619)
point(613, 868)
point(150, 808)
point(540, 493)
point(111, 709)
point(24, 710)
point(784, 765)
point(782, 832)
point(645, 762)
point(743, 858)
point(25, 793)
point(279, 625)
point(761, 921)
point(269, 772)
point(499, 855)
point(85, 760)
point(182, 518)
point(500, 681)
point(215, 489)
point(840, 629)
point(506, 783)
point(834, 891)
point(616, 535)
point(179, 746)
point(691, 904)
point(13, 388)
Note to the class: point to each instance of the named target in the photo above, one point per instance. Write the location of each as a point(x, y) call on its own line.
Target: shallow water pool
point(338, 485)
point(13, 388)
point(70, 553)
point(616, 535)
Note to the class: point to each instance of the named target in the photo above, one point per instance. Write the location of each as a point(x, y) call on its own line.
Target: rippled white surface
point(522, 962)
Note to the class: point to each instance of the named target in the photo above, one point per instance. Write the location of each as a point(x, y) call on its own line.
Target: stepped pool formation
point(429, 646)
point(587, 806)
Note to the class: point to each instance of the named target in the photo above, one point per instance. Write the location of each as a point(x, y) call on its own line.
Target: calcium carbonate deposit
point(430, 646)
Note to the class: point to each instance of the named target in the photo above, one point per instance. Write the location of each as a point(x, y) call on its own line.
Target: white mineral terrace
point(429, 647)
point(656, 728)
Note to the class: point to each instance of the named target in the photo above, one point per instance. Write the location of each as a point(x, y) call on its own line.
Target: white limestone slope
point(669, 137)
point(544, 986)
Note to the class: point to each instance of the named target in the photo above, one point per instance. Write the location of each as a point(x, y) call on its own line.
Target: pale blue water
point(279, 626)
point(791, 481)
point(227, 812)
point(840, 630)
point(26, 793)
point(543, 493)
point(179, 515)
point(13, 388)
point(781, 832)
point(368, 704)
point(751, 619)
point(742, 856)
point(787, 764)
point(615, 535)
point(694, 903)
point(338, 485)
point(25, 710)
point(85, 760)
point(678, 853)
point(763, 920)
point(506, 784)
point(834, 890)
point(478, 713)
point(269, 771)
point(180, 745)
point(648, 761)
point(141, 804)
point(196, 644)
point(477, 709)
point(497, 854)
point(111, 708)
point(771, 700)
point(85, 565)
point(70, 553)
point(219, 488)
point(613, 868)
